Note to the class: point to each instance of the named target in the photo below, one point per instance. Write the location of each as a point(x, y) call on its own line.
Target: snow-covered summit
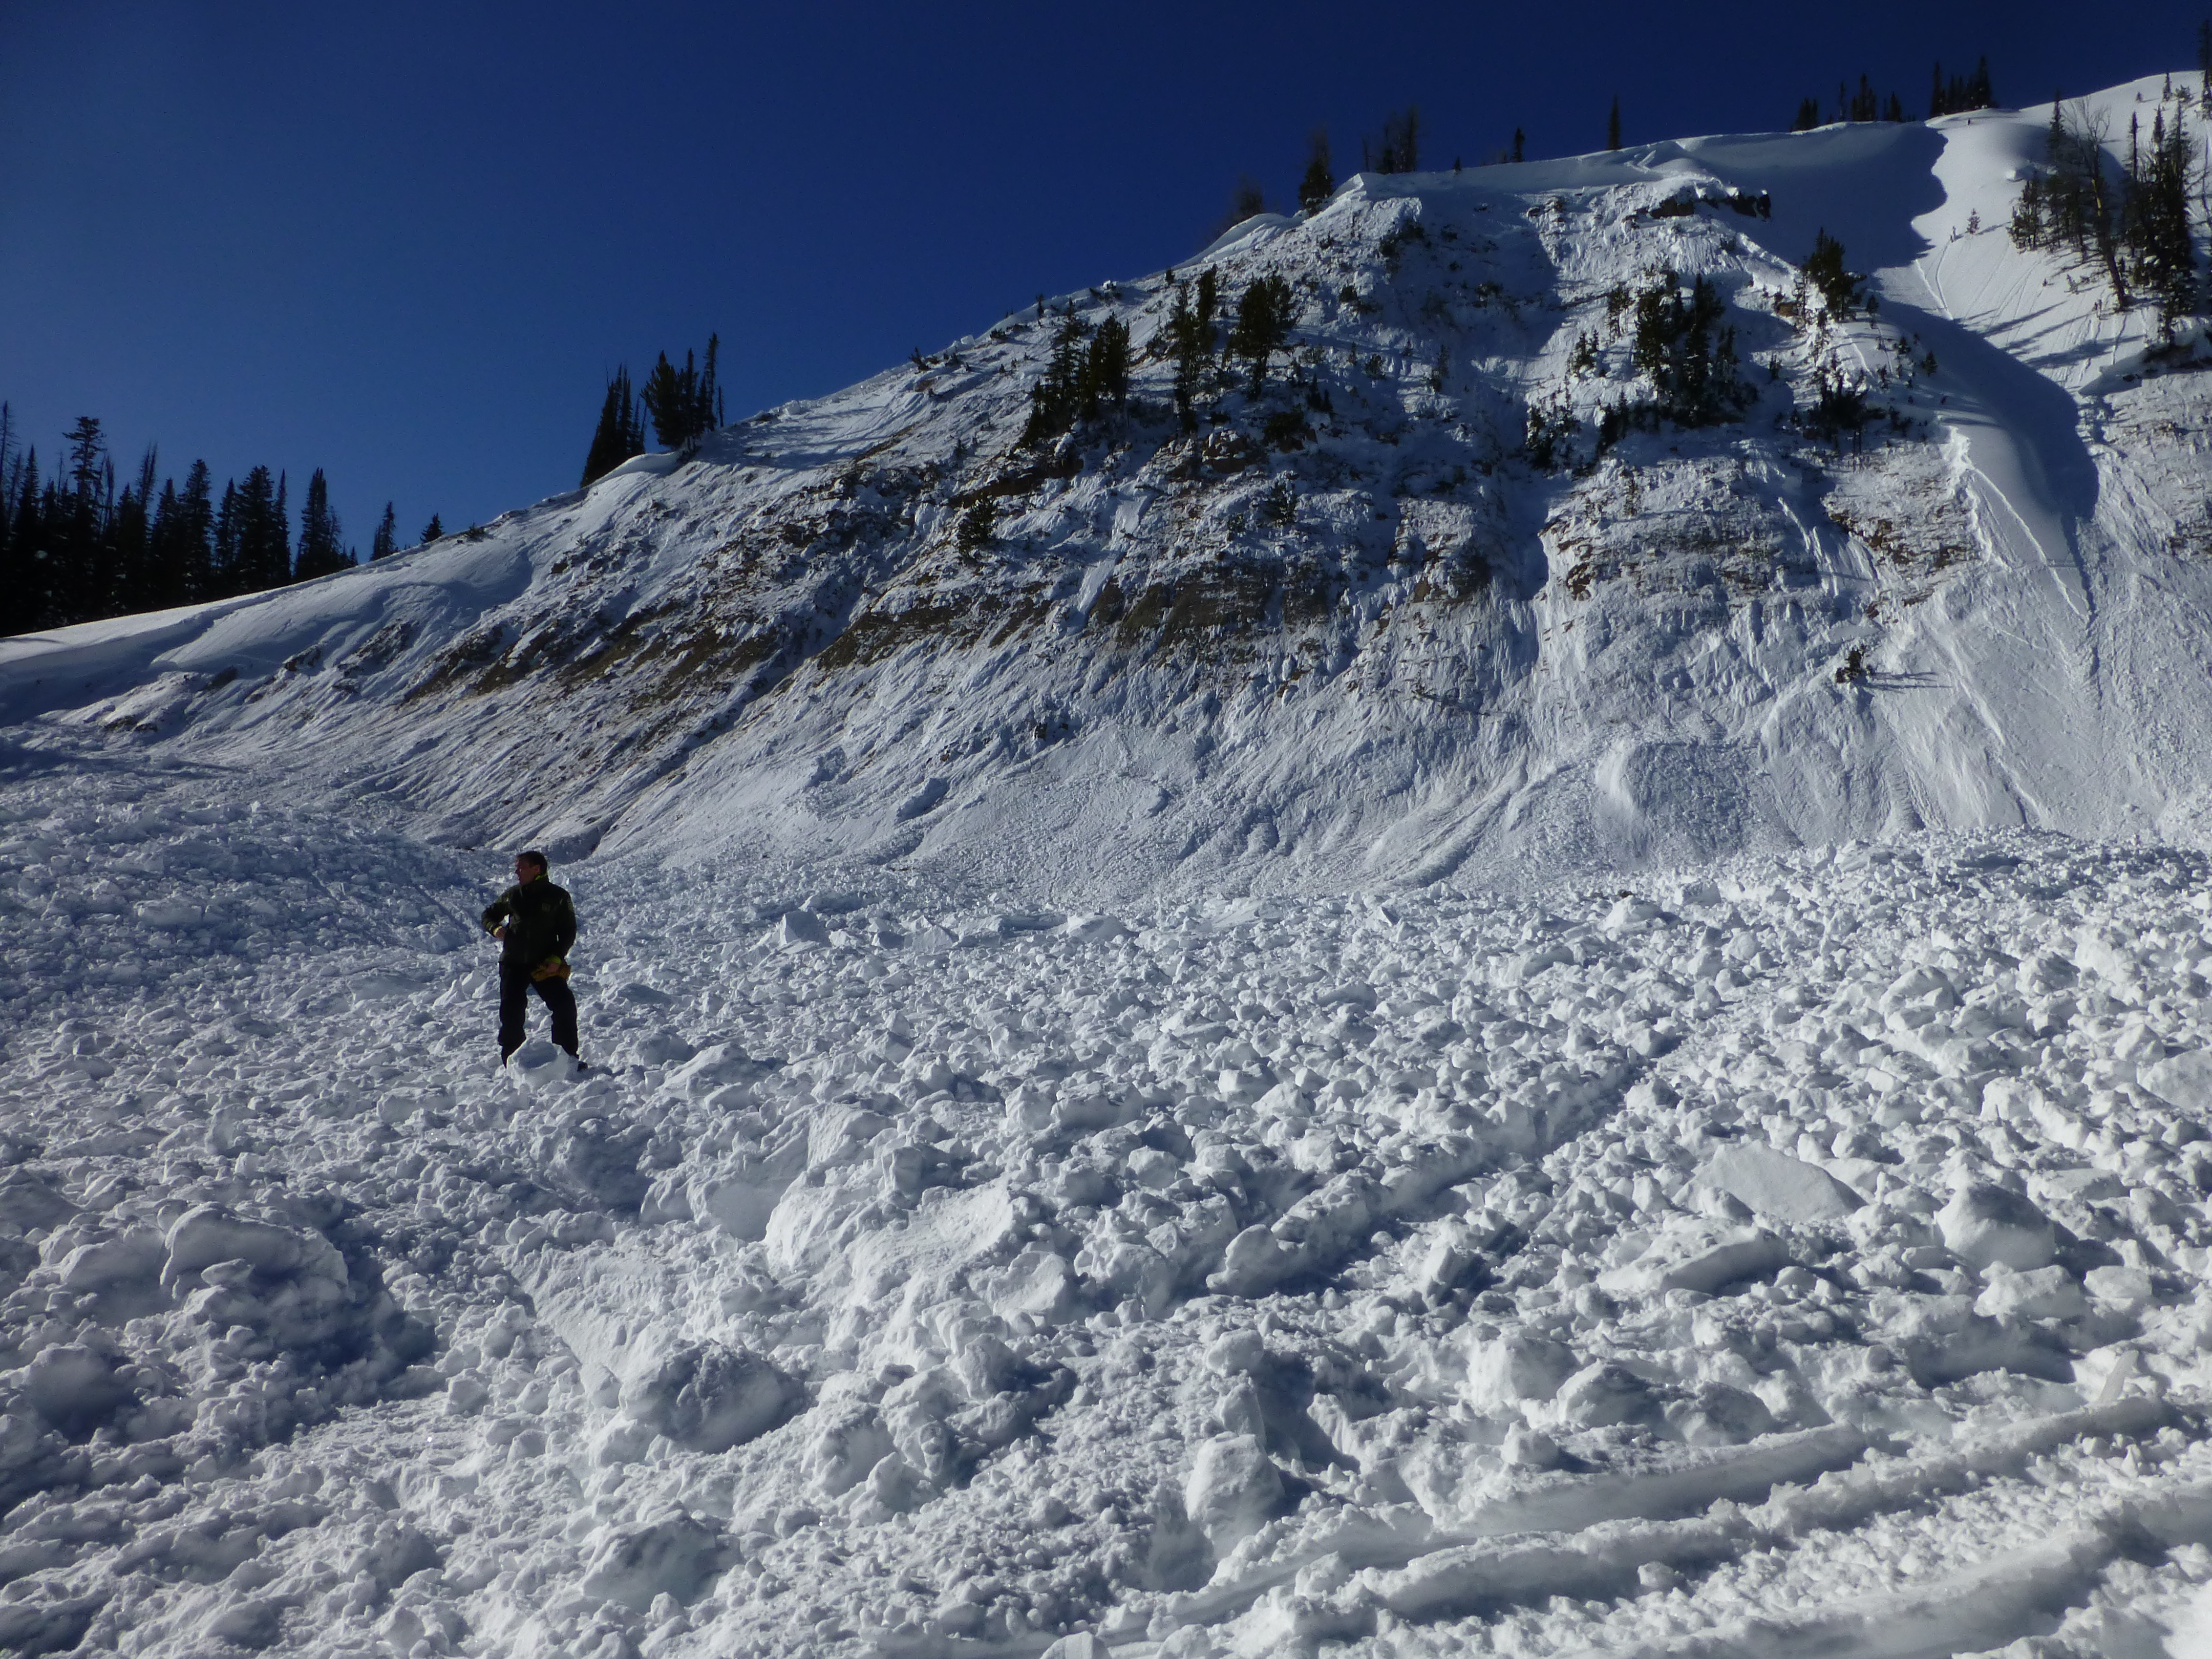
point(1403, 613)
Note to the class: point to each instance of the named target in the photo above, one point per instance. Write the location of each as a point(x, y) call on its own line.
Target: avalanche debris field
point(1791, 1255)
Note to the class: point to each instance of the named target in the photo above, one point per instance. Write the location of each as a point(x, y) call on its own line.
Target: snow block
point(1232, 1490)
point(2130, 1286)
point(73, 1387)
point(1779, 1186)
point(2183, 1080)
point(1699, 1256)
point(28, 1201)
point(1253, 1261)
point(678, 1556)
point(2040, 1294)
point(711, 1068)
point(134, 1257)
point(1599, 1396)
point(1986, 1224)
point(708, 1398)
point(922, 800)
point(1509, 1371)
point(799, 930)
point(1038, 1282)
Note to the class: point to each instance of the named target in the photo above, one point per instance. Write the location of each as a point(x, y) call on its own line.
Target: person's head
point(528, 867)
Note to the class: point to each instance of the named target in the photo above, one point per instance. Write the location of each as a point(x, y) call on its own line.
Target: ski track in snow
point(1798, 1255)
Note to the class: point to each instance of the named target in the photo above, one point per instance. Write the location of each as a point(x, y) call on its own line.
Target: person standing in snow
point(535, 923)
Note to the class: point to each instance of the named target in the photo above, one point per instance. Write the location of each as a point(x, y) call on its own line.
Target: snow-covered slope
point(1253, 1065)
point(1807, 1256)
point(1386, 645)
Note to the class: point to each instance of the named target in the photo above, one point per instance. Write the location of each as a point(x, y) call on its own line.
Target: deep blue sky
point(406, 242)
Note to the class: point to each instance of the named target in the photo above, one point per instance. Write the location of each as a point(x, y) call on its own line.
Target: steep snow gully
point(1357, 1048)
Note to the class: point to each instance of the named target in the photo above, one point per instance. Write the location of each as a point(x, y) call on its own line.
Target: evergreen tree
point(1399, 150)
point(1263, 325)
point(321, 541)
point(2080, 206)
point(261, 552)
point(2156, 220)
point(1056, 400)
point(279, 560)
point(621, 431)
point(88, 454)
point(1613, 124)
point(8, 480)
point(1245, 201)
point(20, 609)
point(2027, 230)
point(193, 551)
point(1193, 351)
point(79, 578)
point(386, 540)
point(685, 404)
point(1895, 110)
point(1319, 183)
point(1840, 288)
point(2204, 64)
point(228, 579)
point(668, 398)
point(166, 584)
point(129, 535)
point(432, 531)
point(1691, 358)
point(1961, 93)
point(1105, 370)
point(1808, 115)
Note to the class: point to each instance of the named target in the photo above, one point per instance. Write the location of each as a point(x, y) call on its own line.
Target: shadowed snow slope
point(1367, 623)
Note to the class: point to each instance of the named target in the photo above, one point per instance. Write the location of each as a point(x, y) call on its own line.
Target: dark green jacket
point(540, 920)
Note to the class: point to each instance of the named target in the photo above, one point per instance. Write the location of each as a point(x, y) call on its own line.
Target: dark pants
point(515, 988)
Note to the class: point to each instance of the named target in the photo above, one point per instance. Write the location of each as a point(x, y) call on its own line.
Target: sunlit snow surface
point(1367, 1180)
point(1796, 1254)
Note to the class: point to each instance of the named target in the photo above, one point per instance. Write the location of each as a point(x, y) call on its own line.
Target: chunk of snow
point(1778, 1185)
point(2182, 1079)
point(1985, 1224)
point(1232, 1490)
point(1695, 1256)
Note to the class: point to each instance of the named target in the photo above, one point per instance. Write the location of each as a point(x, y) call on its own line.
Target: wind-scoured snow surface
point(1359, 1048)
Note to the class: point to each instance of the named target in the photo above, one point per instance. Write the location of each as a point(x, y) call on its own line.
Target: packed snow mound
point(1432, 598)
point(1795, 1252)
